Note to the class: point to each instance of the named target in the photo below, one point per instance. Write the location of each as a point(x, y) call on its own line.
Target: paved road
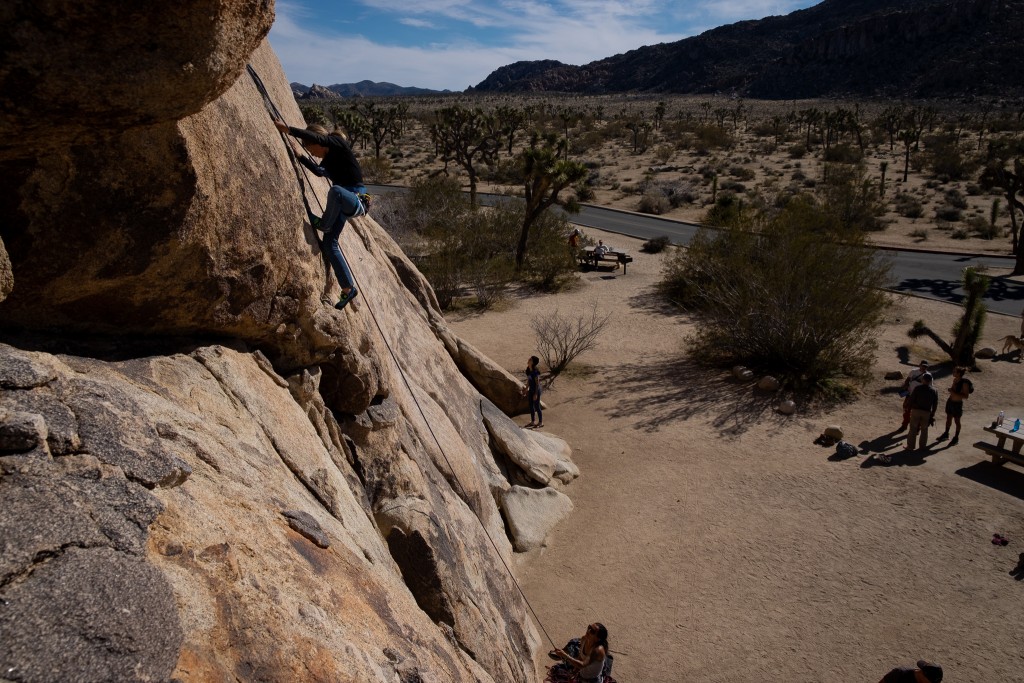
point(936, 276)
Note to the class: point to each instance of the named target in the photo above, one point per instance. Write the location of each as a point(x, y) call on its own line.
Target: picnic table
point(588, 256)
point(999, 451)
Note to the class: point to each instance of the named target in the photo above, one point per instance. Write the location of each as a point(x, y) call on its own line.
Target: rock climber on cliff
point(339, 165)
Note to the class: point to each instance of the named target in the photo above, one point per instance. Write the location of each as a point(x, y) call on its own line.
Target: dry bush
point(561, 339)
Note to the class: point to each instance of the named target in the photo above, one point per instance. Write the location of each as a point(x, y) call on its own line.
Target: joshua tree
point(1004, 169)
point(380, 122)
point(967, 330)
point(469, 137)
point(510, 120)
point(884, 166)
point(544, 176)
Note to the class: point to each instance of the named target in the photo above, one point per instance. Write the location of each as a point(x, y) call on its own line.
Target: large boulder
point(532, 513)
point(345, 451)
point(77, 72)
point(380, 536)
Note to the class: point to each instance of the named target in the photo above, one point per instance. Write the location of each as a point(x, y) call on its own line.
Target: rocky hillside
point(895, 48)
point(207, 472)
point(360, 89)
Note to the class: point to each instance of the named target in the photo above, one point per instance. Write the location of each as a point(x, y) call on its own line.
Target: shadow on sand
point(1000, 478)
point(665, 391)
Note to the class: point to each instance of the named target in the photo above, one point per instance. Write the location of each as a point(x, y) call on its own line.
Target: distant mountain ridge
point(360, 89)
point(895, 48)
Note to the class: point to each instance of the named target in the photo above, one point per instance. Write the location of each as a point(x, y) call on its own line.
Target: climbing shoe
point(346, 297)
point(364, 199)
point(316, 222)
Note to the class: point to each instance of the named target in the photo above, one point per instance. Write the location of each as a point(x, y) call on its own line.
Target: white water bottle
point(999, 418)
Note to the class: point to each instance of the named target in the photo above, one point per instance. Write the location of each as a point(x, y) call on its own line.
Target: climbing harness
point(401, 371)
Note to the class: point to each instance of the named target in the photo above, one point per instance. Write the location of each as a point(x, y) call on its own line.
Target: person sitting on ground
point(585, 660)
point(339, 165)
point(909, 384)
point(958, 393)
point(924, 401)
point(924, 672)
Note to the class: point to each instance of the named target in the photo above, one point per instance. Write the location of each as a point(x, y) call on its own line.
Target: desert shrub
point(959, 234)
point(663, 153)
point(377, 171)
point(908, 206)
point(956, 198)
point(948, 213)
point(983, 228)
point(549, 262)
point(798, 175)
point(584, 192)
point(783, 300)
point(741, 173)
point(655, 245)
point(653, 202)
point(729, 211)
point(852, 198)
point(919, 234)
point(946, 159)
point(711, 137)
point(561, 338)
point(797, 152)
point(733, 186)
point(842, 154)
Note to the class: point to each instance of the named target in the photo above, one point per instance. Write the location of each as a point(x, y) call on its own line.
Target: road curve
point(927, 274)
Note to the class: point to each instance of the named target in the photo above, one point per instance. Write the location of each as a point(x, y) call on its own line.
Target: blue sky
point(456, 43)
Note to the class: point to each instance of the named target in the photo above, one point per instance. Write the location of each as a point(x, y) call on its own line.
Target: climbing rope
point(268, 101)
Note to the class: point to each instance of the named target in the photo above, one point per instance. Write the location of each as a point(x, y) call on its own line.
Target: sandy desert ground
point(718, 543)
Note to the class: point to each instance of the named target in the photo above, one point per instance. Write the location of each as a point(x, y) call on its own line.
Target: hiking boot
point(317, 223)
point(954, 441)
point(346, 297)
point(943, 436)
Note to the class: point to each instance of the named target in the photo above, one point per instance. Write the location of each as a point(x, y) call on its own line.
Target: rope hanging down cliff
point(401, 371)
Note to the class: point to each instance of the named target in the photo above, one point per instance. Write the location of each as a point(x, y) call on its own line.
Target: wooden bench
point(1000, 455)
point(587, 256)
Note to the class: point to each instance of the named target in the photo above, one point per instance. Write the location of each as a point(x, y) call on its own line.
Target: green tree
point(545, 175)
point(782, 298)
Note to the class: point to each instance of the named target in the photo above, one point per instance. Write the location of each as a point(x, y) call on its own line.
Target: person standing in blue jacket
point(339, 165)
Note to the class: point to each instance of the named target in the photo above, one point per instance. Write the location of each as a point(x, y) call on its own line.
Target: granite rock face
point(315, 495)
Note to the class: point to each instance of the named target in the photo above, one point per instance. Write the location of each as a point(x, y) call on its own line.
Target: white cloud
point(571, 31)
point(416, 23)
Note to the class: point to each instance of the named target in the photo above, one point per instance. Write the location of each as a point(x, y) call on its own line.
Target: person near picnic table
point(912, 381)
point(924, 401)
point(924, 672)
point(585, 660)
point(958, 393)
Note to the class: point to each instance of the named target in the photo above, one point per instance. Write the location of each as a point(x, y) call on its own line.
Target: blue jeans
point(342, 204)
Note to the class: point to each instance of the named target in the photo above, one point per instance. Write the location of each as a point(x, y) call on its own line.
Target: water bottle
point(999, 418)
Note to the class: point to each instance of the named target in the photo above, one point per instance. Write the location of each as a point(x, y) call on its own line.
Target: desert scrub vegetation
point(789, 292)
point(464, 250)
